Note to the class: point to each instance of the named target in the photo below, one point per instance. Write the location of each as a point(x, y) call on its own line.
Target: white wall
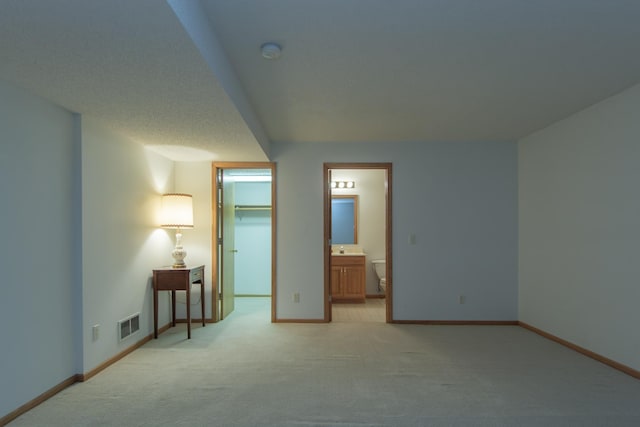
point(40, 239)
point(252, 273)
point(121, 242)
point(460, 201)
point(81, 202)
point(195, 178)
point(370, 188)
point(579, 233)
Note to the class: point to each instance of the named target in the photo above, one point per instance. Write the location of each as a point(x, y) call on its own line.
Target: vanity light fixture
point(177, 213)
point(343, 184)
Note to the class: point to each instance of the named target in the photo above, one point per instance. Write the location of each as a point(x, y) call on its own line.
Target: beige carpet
point(246, 371)
point(373, 311)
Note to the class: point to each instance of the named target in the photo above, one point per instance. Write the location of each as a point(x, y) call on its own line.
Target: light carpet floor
point(246, 371)
point(374, 310)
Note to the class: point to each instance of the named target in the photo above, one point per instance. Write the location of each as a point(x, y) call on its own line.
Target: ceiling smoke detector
point(271, 50)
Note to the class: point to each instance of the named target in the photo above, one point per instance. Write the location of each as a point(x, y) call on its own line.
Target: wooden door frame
point(387, 167)
point(215, 166)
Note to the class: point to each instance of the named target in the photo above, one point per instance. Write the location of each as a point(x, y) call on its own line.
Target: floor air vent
point(129, 326)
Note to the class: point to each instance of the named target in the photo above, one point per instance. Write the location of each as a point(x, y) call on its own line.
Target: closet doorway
point(337, 185)
point(243, 234)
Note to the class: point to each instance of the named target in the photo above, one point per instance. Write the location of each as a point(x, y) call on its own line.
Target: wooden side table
point(177, 279)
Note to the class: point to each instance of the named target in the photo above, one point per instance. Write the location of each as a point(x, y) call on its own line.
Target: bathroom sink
point(347, 250)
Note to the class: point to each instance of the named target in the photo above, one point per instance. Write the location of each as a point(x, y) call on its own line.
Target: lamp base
point(178, 255)
point(178, 252)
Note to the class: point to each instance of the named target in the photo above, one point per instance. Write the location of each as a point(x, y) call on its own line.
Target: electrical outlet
point(462, 299)
point(95, 332)
point(296, 297)
point(412, 239)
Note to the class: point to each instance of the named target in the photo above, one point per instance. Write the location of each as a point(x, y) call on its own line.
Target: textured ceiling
point(187, 76)
point(420, 70)
point(128, 63)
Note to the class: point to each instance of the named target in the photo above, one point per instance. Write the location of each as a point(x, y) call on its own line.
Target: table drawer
point(197, 275)
point(171, 280)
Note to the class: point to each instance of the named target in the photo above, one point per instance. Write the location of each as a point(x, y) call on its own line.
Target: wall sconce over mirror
point(344, 220)
point(343, 184)
point(177, 213)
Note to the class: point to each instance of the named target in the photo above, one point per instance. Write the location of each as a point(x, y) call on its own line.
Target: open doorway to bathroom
point(354, 236)
point(243, 256)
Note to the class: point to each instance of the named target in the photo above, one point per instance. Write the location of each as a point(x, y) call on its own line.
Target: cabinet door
point(336, 282)
point(353, 283)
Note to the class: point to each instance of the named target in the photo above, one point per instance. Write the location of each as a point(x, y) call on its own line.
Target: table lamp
point(177, 213)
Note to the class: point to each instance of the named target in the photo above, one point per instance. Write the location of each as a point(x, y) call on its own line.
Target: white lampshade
point(177, 211)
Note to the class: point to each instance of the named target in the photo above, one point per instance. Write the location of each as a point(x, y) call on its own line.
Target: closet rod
point(253, 207)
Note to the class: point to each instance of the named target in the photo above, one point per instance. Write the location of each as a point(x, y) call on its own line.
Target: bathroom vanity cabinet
point(348, 278)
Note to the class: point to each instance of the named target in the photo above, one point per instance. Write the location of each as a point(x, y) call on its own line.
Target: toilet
point(380, 267)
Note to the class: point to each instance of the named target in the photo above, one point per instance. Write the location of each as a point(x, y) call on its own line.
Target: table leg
point(155, 313)
point(202, 300)
point(188, 310)
point(173, 308)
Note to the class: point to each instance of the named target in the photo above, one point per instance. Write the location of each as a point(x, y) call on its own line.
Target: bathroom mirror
point(344, 220)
